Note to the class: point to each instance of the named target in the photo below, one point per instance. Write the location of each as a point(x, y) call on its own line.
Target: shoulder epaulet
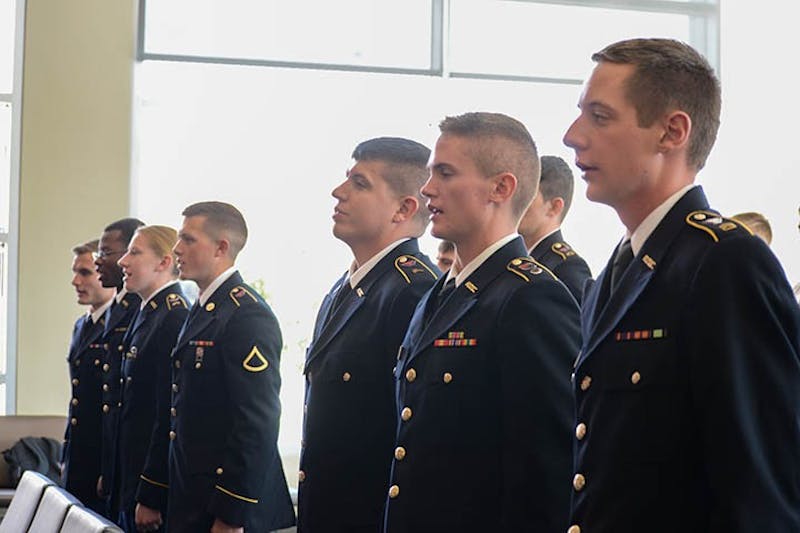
point(240, 295)
point(562, 249)
point(409, 267)
point(715, 224)
point(526, 268)
point(174, 301)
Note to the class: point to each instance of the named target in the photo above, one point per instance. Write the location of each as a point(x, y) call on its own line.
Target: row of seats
point(40, 506)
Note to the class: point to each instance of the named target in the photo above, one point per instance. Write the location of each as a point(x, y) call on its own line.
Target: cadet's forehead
point(110, 237)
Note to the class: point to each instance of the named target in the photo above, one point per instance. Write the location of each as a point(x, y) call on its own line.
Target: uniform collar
point(214, 285)
point(473, 265)
point(537, 243)
point(120, 295)
point(155, 292)
point(651, 221)
point(357, 273)
point(100, 311)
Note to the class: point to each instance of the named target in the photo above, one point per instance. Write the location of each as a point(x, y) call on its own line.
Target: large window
point(261, 103)
point(11, 14)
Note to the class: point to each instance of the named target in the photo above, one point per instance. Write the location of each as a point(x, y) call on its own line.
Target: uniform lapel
point(200, 320)
point(461, 300)
point(602, 314)
point(333, 325)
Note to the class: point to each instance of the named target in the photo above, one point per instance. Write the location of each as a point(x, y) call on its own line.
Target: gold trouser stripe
point(229, 493)
point(156, 483)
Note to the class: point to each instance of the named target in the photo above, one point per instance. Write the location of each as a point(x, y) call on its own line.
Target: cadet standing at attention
point(82, 439)
point(225, 474)
point(688, 383)
point(541, 226)
point(149, 271)
point(351, 419)
point(483, 441)
point(113, 244)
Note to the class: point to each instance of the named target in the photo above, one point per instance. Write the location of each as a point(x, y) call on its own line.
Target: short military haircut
point(500, 144)
point(446, 246)
point(126, 228)
point(671, 75)
point(757, 223)
point(89, 247)
point(405, 168)
point(221, 219)
point(557, 181)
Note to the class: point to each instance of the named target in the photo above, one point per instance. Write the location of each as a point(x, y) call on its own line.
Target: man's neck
point(217, 272)
point(366, 251)
point(469, 249)
point(533, 239)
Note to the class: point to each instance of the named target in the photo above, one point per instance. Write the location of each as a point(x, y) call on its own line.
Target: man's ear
point(555, 206)
point(677, 129)
point(223, 247)
point(503, 187)
point(408, 208)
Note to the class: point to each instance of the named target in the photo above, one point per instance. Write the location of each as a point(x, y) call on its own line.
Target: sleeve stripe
point(156, 483)
point(234, 495)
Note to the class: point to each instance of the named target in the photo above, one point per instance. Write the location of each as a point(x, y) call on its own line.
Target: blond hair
point(161, 239)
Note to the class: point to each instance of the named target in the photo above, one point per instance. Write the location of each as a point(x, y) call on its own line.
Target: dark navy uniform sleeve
point(745, 374)
point(538, 344)
point(154, 482)
point(252, 345)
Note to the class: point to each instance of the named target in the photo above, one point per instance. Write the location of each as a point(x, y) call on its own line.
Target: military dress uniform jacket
point(82, 438)
point(118, 318)
point(146, 375)
point(483, 391)
point(561, 260)
point(350, 419)
point(224, 460)
point(688, 386)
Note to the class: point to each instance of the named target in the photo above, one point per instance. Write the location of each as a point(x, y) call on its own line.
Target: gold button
point(74, 401)
point(586, 382)
point(346, 376)
point(198, 364)
point(77, 362)
point(130, 378)
point(105, 408)
point(172, 435)
point(301, 476)
point(394, 490)
point(174, 387)
point(105, 367)
point(210, 306)
point(405, 414)
point(177, 363)
point(105, 387)
point(219, 471)
point(635, 378)
point(578, 482)
point(97, 362)
point(119, 404)
point(447, 377)
point(173, 411)
point(75, 382)
point(580, 431)
point(74, 421)
point(399, 453)
point(411, 375)
point(574, 529)
point(516, 262)
point(119, 348)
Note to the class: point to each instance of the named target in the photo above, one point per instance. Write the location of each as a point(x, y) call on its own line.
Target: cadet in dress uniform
point(350, 419)
point(687, 385)
point(225, 473)
point(81, 451)
point(541, 226)
point(149, 271)
point(113, 244)
point(483, 441)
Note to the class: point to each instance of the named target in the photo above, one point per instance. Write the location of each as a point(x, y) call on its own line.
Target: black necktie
point(621, 261)
point(86, 326)
point(341, 294)
point(439, 298)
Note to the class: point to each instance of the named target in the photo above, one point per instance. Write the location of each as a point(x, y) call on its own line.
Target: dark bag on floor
point(40, 454)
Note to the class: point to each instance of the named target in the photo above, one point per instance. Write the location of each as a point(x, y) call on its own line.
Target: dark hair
point(89, 247)
point(671, 75)
point(557, 181)
point(221, 218)
point(503, 144)
point(126, 227)
point(446, 246)
point(405, 169)
point(757, 223)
